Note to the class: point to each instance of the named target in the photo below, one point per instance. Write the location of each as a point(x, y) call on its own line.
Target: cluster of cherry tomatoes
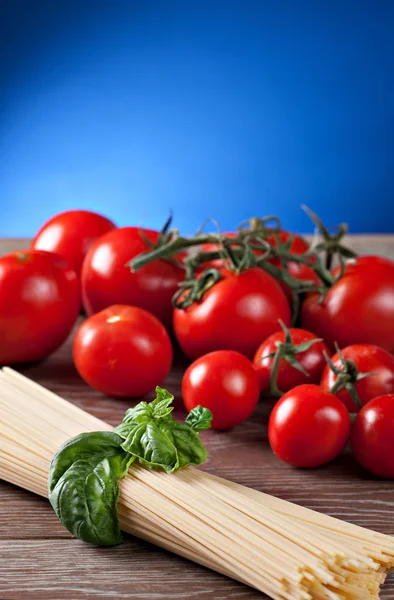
point(234, 323)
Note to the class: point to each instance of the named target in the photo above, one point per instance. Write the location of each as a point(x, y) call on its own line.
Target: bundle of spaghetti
point(284, 550)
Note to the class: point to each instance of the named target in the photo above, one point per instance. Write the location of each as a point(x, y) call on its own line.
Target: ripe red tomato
point(107, 280)
point(367, 359)
point(311, 360)
point(372, 436)
point(235, 314)
point(210, 247)
point(358, 309)
point(122, 351)
point(39, 304)
point(226, 383)
point(308, 427)
point(71, 234)
point(297, 270)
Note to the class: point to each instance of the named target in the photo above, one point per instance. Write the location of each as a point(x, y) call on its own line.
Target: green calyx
point(347, 376)
point(83, 485)
point(287, 351)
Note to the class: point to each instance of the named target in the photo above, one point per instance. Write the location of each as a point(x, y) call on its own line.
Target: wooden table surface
point(39, 559)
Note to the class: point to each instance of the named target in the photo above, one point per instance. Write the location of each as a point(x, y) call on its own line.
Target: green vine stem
point(331, 243)
point(249, 248)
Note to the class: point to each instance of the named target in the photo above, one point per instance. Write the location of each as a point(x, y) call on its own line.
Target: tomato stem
point(250, 248)
point(287, 351)
point(347, 376)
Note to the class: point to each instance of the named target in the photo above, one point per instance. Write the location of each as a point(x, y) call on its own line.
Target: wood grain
point(39, 560)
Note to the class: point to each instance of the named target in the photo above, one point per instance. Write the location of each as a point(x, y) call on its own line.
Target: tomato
point(107, 280)
point(122, 351)
point(210, 247)
point(372, 436)
point(39, 304)
point(297, 270)
point(235, 314)
point(226, 383)
point(367, 359)
point(358, 309)
point(71, 234)
point(308, 427)
point(311, 360)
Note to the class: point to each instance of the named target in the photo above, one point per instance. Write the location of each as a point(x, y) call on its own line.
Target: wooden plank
point(69, 569)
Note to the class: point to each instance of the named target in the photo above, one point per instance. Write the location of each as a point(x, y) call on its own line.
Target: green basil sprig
point(158, 441)
point(84, 475)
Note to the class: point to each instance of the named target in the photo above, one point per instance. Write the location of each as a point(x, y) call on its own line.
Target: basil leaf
point(144, 412)
point(83, 486)
point(189, 447)
point(153, 436)
point(152, 446)
point(199, 418)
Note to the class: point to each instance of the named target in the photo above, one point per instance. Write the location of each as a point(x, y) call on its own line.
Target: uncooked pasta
point(284, 550)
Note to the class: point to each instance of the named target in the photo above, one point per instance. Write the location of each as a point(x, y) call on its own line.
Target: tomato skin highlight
point(308, 427)
point(71, 234)
point(289, 377)
point(122, 351)
point(368, 359)
point(226, 383)
point(235, 314)
point(358, 309)
point(106, 280)
point(372, 436)
point(39, 304)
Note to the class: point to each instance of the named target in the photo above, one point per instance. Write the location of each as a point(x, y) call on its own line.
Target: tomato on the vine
point(215, 263)
point(122, 351)
point(39, 304)
point(71, 234)
point(372, 436)
point(298, 246)
point(308, 427)
point(107, 280)
point(367, 359)
point(358, 308)
point(226, 383)
point(236, 313)
point(304, 349)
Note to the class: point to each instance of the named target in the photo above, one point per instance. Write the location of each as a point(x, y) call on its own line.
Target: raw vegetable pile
point(259, 311)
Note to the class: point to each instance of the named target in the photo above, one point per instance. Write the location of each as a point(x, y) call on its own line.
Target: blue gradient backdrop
point(213, 108)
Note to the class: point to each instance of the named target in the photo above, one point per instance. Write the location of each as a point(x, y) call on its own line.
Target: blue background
point(227, 109)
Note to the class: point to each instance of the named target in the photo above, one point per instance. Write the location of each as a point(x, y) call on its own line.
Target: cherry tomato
point(39, 304)
point(308, 427)
point(372, 436)
point(235, 314)
point(226, 383)
point(358, 309)
point(368, 359)
point(107, 280)
point(210, 247)
point(297, 270)
point(311, 360)
point(71, 234)
point(122, 351)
